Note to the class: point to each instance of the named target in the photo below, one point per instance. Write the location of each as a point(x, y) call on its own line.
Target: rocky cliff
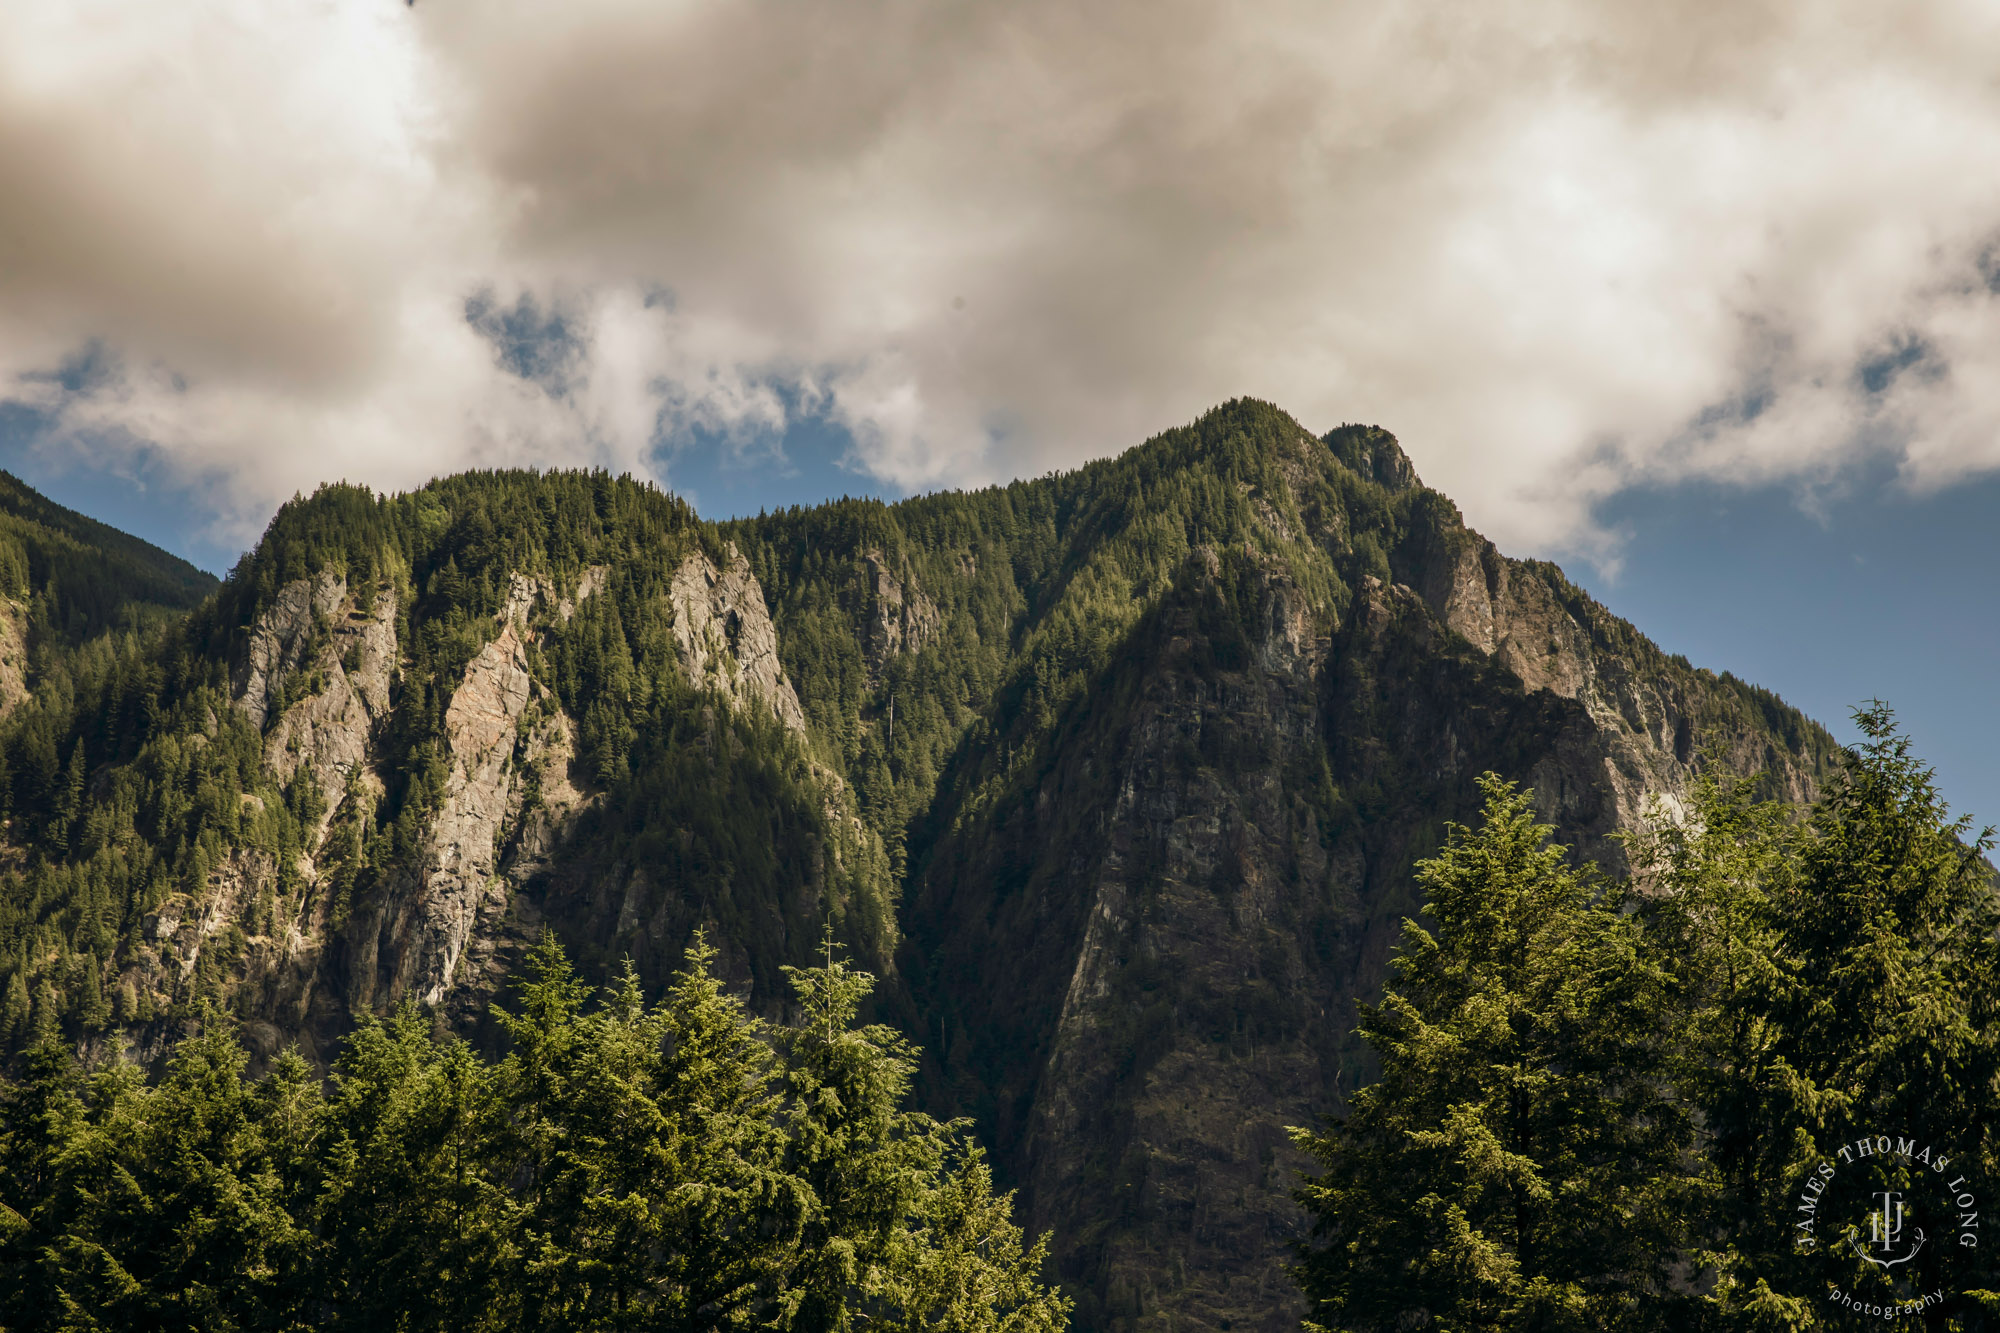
point(1117, 778)
point(1142, 963)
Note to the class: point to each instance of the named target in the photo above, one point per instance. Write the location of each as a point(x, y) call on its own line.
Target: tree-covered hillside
point(79, 577)
point(148, 786)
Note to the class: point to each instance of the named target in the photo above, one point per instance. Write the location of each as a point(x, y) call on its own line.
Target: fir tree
point(864, 1158)
point(965, 1268)
point(1841, 977)
point(905, 1232)
point(1519, 1165)
point(416, 1217)
point(731, 1223)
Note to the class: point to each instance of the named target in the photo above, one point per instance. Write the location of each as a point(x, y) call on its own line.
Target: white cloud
point(1558, 247)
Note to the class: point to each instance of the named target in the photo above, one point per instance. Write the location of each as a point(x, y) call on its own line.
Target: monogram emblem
point(1885, 1233)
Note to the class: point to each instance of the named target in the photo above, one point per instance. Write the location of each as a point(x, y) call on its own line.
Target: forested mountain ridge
point(1118, 775)
point(66, 579)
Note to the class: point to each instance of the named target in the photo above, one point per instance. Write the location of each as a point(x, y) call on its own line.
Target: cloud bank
point(1559, 247)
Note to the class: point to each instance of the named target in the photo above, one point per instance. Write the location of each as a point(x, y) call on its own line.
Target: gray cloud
point(1559, 247)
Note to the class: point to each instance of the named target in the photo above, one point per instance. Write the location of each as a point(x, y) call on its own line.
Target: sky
point(1701, 300)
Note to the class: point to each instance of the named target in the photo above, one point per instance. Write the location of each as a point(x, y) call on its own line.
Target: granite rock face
point(13, 656)
point(328, 732)
point(288, 633)
point(438, 930)
point(726, 641)
point(900, 619)
point(318, 674)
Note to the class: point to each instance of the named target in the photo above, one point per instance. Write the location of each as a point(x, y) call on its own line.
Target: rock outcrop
point(900, 618)
point(526, 593)
point(317, 673)
point(328, 732)
point(725, 638)
point(456, 896)
point(13, 656)
point(1116, 779)
point(1144, 966)
point(287, 634)
point(509, 794)
point(1186, 1038)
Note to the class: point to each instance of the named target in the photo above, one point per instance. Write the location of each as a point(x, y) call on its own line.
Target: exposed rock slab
point(900, 618)
point(725, 639)
point(508, 740)
point(328, 733)
point(13, 656)
point(285, 635)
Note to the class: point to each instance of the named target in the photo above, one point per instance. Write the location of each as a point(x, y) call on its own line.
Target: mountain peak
point(1374, 453)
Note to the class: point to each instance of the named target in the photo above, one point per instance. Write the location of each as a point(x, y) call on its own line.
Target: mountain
point(66, 579)
point(1116, 776)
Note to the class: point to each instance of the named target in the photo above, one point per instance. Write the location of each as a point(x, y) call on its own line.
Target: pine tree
point(1705, 877)
point(964, 1268)
point(415, 1216)
point(730, 1227)
point(904, 1231)
point(43, 1125)
point(863, 1157)
point(196, 1211)
point(1843, 979)
point(14, 1009)
point(625, 1167)
point(1519, 1165)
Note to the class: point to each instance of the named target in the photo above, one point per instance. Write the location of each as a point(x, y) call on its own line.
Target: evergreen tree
point(43, 1132)
point(1705, 877)
point(965, 1268)
point(651, 1147)
point(416, 1217)
point(1842, 978)
point(905, 1232)
point(673, 1167)
point(730, 1226)
point(864, 1159)
point(1520, 1164)
point(201, 1207)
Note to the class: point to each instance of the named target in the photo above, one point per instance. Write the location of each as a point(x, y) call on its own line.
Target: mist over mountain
point(1116, 778)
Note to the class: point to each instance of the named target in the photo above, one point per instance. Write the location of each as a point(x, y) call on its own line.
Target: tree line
point(1679, 1101)
point(679, 1165)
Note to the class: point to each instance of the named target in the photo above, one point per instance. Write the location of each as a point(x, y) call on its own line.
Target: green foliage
point(1839, 974)
point(957, 657)
point(625, 1167)
point(1588, 1119)
point(1036, 586)
point(79, 578)
point(413, 1215)
point(169, 1207)
point(1519, 1164)
point(940, 648)
point(139, 790)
